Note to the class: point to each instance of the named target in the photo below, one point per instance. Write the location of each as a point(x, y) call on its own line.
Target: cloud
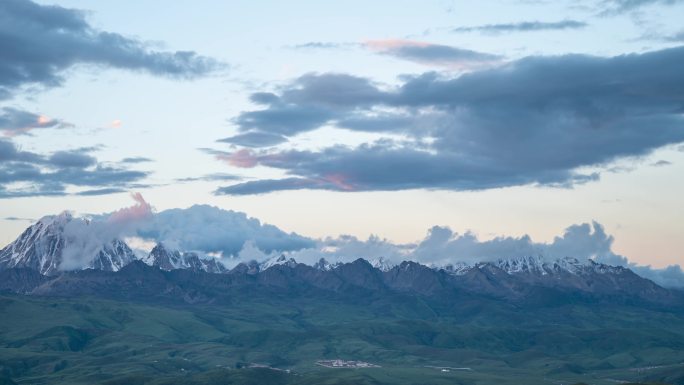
point(60, 38)
point(15, 122)
point(523, 26)
point(71, 159)
point(322, 45)
point(85, 238)
point(381, 167)
point(433, 54)
point(583, 241)
point(442, 247)
point(255, 139)
point(204, 229)
point(299, 108)
point(661, 163)
point(19, 219)
point(677, 37)
point(416, 51)
point(211, 178)
point(100, 191)
point(25, 173)
point(137, 159)
point(241, 158)
point(535, 121)
point(212, 230)
point(136, 213)
point(616, 7)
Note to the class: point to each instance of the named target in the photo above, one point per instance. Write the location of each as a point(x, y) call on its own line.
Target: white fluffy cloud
point(442, 246)
point(85, 238)
point(210, 229)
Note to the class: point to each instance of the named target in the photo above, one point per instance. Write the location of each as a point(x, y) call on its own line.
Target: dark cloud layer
point(533, 121)
point(39, 42)
point(25, 173)
point(523, 26)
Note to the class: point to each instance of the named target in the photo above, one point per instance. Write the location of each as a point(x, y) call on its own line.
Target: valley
point(91, 340)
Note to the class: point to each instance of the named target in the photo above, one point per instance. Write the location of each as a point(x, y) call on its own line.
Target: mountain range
point(31, 265)
point(172, 316)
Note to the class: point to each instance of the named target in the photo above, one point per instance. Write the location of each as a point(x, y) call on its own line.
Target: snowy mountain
point(540, 266)
point(166, 259)
point(536, 266)
point(324, 265)
point(41, 246)
point(458, 268)
point(280, 260)
point(382, 264)
point(113, 256)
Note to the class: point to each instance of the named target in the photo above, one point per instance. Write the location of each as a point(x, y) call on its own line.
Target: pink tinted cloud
point(340, 181)
point(141, 210)
point(41, 122)
point(243, 158)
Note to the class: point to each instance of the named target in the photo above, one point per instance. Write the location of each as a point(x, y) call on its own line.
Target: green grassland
point(96, 341)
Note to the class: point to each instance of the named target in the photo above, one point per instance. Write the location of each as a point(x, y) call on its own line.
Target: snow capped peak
point(570, 265)
point(41, 247)
point(538, 265)
point(526, 264)
point(530, 265)
point(113, 256)
point(601, 268)
point(280, 260)
point(382, 264)
point(324, 265)
point(458, 268)
point(58, 220)
point(163, 258)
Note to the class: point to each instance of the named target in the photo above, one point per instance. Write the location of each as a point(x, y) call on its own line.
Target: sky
point(519, 120)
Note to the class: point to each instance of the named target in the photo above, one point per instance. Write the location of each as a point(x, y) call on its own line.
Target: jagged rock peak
point(324, 265)
point(160, 256)
point(280, 260)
